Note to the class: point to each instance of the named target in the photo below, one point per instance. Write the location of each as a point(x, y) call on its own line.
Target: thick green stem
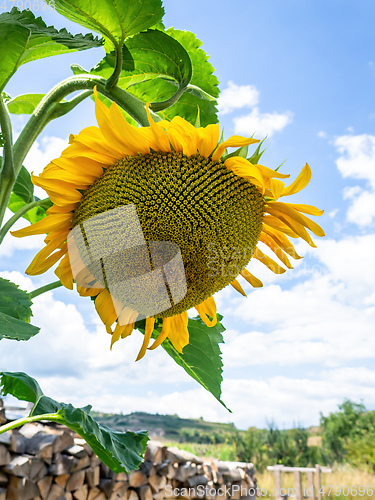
point(7, 172)
point(54, 417)
point(48, 106)
point(45, 288)
point(22, 211)
point(113, 79)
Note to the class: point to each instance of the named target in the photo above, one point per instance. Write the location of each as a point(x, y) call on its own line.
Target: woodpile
point(49, 462)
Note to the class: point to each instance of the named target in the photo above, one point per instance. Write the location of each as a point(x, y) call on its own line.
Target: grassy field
point(340, 477)
point(222, 451)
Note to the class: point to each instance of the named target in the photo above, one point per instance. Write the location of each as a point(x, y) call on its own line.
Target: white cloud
point(237, 97)
point(262, 124)
point(357, 161)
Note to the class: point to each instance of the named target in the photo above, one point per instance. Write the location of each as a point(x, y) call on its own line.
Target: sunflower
point(187, 190)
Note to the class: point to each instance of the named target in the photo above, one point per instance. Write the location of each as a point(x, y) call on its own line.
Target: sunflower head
point(153, 221)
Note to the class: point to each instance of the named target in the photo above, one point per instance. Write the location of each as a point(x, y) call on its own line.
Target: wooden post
point(310, 485)
point(298, 484)
point(319, 480)
point(277, 473)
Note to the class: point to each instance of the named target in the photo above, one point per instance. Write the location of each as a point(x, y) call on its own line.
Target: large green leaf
point(149, 55)
point(25, 38)
point(121, 451)
point(115, 19)
point(200, 95)
point(24, 104)
point(15, 312)
point(23, 194)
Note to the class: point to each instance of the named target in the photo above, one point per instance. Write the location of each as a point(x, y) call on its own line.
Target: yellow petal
point(302, 180)
point(275, 223)
point(281, 240)
point(295, 215)
point(150, 322)
point(179, 334)
point(183, 136)
point(161, 141)
point(306, 209)
point(296, 227)
point(105, 308)
point(276, 188)
point(264, 238)
point(167, 323)
point(255, 282)
point(41, 264)
point(38, 264)
point(86, 166)
point(54, 222)
point(236, 141)
point(64, 273)
point(271, 264)
point(132, 140)
point(206, 309)
point(208, 137)
point(235, 284)
point(243, 168)
point(268, 172)
point(78, 150)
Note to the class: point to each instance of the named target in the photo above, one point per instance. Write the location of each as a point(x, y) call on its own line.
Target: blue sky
point(302, 73)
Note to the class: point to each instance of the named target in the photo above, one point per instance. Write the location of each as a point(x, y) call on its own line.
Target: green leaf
point(23, 186)
point(24, 38)
point(115, 19)
point(15, 312)
point(24, 104)
point(150, 55)
point(201, 94)
point(121, 451)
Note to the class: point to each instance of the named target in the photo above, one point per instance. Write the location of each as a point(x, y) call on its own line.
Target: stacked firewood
point(49, 462)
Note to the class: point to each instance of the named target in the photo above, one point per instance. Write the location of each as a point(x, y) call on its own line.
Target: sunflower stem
point(7, 172)
point(48, 109)
point(113, 79)
point(45, 288)
point(20, 213)
point(54, 417)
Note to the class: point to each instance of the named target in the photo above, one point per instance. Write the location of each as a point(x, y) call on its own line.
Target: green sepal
point(121, 451)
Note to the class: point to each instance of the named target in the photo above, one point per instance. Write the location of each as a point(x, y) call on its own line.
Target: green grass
point(222, 451)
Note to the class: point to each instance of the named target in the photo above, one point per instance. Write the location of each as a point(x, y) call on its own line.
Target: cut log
point(122, 476)
point(81, 493)
point(146, 467)
point(6, 437)
point(162, 469)
point(75, 481)
point(4, 455)
point(207, 470)
point(62, 464)
point(95, 461)
point(156, 452)
point(195, 480)
point(38, 442)
point(44, 486)
point(93, 493)
point(157, 483)
point(145, 492)
point(119, 491)
point(17, 443)
point(37, 469)
point(137, 478)
point(18, 466)
point(62, 480)
point(82, 442)
point(3, 478)
point(92, 476)
point(56, 493)
point(181, 456)
point(160, 495)
point(82, 463)
point(63, 441)
point(29, 430)
point(107, 485)
point(185, 471)
point(105, 471)
point(132, 495)
point(3, 492)
point(77, 451)
point(21, 488)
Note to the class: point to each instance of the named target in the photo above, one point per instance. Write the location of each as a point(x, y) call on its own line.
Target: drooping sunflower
point(186, 190)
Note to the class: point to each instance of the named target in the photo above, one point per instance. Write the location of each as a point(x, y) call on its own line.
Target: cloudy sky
point(302, 73)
